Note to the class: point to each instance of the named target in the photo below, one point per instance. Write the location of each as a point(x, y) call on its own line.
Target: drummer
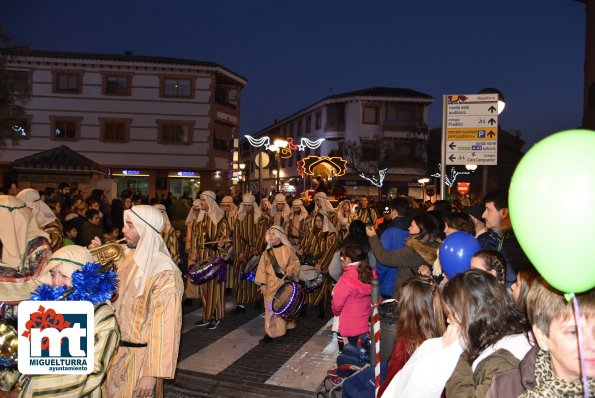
point(249, 233)
point(319, 244)
point(278, 265)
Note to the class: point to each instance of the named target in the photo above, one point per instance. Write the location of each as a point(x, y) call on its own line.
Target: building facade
point(589, 82)
point(154, 124)
point(379, 127)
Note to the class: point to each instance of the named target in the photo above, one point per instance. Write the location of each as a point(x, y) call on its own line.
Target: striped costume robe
point(79, 385)
point(155, 319)
point(248, 237)
point(344, 220)
point(274, 325)
point(229, 250)
point(171, 242)
point(322, 246)
point(211, 293)
point(55, 231)
point(368, 216)
point(295, 230)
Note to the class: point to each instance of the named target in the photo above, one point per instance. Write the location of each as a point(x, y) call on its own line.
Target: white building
point(389, 125)
point(155, 124)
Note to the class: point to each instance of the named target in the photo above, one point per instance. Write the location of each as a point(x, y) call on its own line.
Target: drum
point(207, 270)
point(311, 278)
point(288, 301)
point(250, 268)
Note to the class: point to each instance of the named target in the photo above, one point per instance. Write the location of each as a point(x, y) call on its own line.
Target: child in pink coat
point(352, 295)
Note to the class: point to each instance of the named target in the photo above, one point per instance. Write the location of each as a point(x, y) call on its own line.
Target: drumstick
point(216, 241)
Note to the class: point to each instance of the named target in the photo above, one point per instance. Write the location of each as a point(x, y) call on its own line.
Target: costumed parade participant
point(365, 213)
point(317, 249)
point(250, 230)
point(231, 213)
point(280, 211)
point(322, 205)
point(295, 225)
point(278, 264)
point(25, 251)
point(46, 218)
point(265, 208)
point(345, 216)
point(192, 248)
point(149, 297)
point(209, 236)
point(169, 235)
point(74, 277)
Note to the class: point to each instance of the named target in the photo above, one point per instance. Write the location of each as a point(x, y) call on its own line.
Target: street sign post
point(472, 129)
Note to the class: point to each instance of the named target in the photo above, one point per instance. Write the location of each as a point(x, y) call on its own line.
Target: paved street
point(230, 361)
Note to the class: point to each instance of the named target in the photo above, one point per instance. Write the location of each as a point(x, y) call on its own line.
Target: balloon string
point(577, 315)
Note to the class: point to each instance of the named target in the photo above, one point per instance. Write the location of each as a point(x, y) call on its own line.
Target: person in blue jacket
point(393, 238)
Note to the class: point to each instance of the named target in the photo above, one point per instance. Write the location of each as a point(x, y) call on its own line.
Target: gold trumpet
point(108, 254)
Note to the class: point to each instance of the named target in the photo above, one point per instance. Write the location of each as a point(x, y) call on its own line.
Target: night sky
point(294, 53)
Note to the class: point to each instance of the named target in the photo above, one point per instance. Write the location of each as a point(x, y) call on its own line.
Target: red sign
point(463, 187)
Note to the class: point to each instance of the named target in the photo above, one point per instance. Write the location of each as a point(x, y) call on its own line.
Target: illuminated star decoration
point(304, 143)
point(376, 181)
point(454, 173)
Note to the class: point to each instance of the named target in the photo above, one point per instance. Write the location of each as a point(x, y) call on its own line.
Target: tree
point(15, 92)
point(365, 159)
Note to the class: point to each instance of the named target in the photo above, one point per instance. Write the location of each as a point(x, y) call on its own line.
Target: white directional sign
point(472, 129)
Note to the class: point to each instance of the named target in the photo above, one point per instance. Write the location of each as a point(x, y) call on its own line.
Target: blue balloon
point(456, 252)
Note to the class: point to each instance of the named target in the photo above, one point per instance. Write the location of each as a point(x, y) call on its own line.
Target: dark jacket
point(488, 240)
point(515, 257)
point(513, 383)
point(408, 259)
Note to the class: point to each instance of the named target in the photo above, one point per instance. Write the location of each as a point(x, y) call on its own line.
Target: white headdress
point(193, 213)
point(280, 198)
point(163, 210)
point(151, 255)
point(42, 212)
point(215, 213)
point(17, 228)
point(249, 200)
point(277, 230)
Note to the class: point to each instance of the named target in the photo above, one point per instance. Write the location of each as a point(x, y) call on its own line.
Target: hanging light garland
point(287, 151)
point(376, 181)
point(454, 173)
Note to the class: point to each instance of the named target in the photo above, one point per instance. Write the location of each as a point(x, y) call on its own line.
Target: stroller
point(351, 361)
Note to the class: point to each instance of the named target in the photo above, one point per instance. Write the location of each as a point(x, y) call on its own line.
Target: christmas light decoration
point(287, 151)
point(376, 181)
point(454, 173)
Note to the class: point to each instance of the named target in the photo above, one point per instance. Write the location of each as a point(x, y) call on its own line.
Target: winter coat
point(392, 239)
point(351, 303)
point(513, 383)
point(408, 259)
point(475, 380)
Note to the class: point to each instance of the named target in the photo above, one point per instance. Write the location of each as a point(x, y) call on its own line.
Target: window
point(68, 82)
point(116, 85)
point(178, 133)
point(298, 130)
point(115, 130)
point(177, 87)
point(220, 144)
point(318, 120)
point(370, 150)
point(370, 115)
point(308, 124)
point(404, 114)
point(68, 129)
point(17, 80)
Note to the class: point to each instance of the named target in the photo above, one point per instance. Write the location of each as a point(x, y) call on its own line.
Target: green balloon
point(551, 203)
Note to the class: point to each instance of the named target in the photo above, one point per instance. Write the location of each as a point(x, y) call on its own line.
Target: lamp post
point(423, 182)
point(242, 167)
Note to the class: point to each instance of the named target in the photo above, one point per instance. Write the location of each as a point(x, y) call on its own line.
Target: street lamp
point(242, 167)
point(471, 167)
point(423, 182)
